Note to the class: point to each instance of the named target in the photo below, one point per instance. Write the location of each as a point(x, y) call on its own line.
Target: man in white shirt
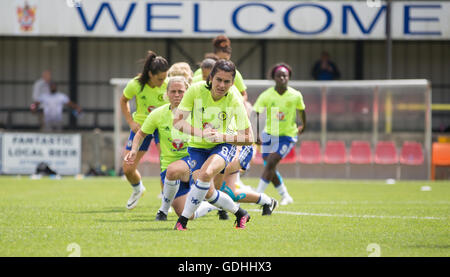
point(53, 104)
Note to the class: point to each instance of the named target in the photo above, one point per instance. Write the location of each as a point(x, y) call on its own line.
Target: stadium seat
point(335, 152)
point(411, 153)
point(440, 157)
point(360, 152)
point(309, 153)
point(290, 158)
point(386, 153)
point(152, 155)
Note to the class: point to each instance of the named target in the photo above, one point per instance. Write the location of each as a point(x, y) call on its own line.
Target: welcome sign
point(237, 19)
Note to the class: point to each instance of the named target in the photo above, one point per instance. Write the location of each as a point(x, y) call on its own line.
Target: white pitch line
point(355, 216)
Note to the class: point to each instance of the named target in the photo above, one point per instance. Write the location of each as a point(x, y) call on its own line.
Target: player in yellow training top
point(148, 88)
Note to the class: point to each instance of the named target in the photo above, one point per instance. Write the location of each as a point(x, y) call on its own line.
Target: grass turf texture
point(328, 218)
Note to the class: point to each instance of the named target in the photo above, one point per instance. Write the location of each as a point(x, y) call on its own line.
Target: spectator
point(324, 69)
point(53, 103)
point(40, 87)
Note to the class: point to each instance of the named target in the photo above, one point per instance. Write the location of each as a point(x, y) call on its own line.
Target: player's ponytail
point(153, 64)
point(222, 43)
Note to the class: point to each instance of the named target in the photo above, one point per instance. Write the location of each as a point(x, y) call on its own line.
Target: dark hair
point(224, 65)
point(154, 64)
point(211, 56)
point(278, 66)
point(222, 44)
point(207, 63)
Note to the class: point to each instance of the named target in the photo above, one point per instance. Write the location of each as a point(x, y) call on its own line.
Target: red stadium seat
point(335, 152)
point(152, 155)
point(440, 157)
point(309, 153)
point(411, 153)
point(290, 158)
point(386, 153)
point(360, 152)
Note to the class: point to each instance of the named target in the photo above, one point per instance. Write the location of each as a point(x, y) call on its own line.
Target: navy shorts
point(245, 156)
point(184, 186)
point(200, 155)
point(145, 144)
point(274, 144)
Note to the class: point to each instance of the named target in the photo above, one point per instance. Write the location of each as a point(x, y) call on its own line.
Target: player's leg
point(134, 178)
point(175, 173)
point(285, 146)
point(269, 171)
point(204, 208)
point(278, 179)
point(132, 174)
point(204, 189)
point(243, 195)
point(268, 147)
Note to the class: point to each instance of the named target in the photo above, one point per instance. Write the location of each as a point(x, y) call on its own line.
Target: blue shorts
point(184, 186)
point(274, 144)
point(200, 155)
point(145, 144)
point(245, 156)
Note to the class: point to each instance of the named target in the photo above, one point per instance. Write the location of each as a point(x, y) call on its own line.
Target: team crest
point(222, 115)
point(177, 144)
point(26, 16)
point(161, 98)
point(207, 125)
point(192, 163)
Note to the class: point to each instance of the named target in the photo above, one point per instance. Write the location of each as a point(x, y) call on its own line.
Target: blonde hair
point(181, 69)
point(175, 79)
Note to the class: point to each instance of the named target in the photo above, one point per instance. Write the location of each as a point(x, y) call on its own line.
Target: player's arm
point(125, 108)
point(180, 123)
point(243, 137)
point(244, 95)
point(302, 127)
point(130, 157)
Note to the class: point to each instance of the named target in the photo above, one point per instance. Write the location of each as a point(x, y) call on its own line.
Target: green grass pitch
point(328, 218)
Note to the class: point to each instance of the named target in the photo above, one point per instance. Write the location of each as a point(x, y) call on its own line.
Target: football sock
point(282, 190)
point(137, 187)
point(262, 185)
point(279, 176)
point(203, 209)
point(195, 197)
point(264, 199)
point(223, 201)
point(170, 189)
